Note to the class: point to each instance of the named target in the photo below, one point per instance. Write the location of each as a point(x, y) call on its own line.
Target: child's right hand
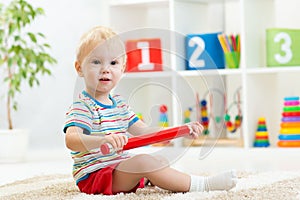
point(116, 140)
point(196, 129)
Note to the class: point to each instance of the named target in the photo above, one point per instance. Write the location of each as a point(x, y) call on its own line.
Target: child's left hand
point(196, 129)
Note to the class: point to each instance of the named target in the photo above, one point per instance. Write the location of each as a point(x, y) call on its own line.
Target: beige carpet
point(268, 185)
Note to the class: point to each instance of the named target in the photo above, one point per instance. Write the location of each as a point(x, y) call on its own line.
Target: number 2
point(285, 47)
point(200, 46)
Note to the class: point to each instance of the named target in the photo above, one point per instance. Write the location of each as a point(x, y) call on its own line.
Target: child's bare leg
point(128, 173)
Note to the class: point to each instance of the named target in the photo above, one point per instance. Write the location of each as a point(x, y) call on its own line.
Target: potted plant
point(23, 58)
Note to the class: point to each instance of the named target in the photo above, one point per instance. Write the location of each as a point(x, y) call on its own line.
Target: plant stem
point(9, 99)
point(10, 126)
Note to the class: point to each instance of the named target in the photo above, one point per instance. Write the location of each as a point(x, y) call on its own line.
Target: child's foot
point(222, 181)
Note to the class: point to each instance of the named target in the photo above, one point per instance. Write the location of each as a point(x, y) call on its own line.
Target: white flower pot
point(13, 145)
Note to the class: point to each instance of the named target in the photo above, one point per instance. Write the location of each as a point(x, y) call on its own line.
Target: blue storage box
point(204, 51)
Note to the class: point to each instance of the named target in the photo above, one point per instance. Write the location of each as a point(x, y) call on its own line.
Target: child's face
point(103, 68)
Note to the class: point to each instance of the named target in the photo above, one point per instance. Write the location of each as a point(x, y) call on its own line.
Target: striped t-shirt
point(97, 119)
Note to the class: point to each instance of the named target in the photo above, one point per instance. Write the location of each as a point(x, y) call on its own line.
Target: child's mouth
point(104, 79)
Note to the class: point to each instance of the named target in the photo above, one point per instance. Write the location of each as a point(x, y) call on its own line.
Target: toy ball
point(140, 116)
point(227, 118)
point(187, 113)
point(203, 102)
point(163, 108)
point(218, 119)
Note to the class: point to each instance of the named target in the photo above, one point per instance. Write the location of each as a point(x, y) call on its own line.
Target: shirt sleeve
point(79, 115)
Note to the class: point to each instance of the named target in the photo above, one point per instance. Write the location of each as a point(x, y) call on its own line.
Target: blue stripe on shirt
point(135, 119)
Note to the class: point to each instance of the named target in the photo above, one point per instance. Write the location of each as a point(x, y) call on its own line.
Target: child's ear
point(78, 68)
point(124, 68)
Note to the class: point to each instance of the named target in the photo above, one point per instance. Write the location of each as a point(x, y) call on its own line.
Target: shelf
point(213, 142)
point(222, 72)
point(138, 2)
point(269, 70)
point(206, 1)
point(160, 74)
point(263, 87)
point(192, 73)
point(185, 73)
point(159, 2)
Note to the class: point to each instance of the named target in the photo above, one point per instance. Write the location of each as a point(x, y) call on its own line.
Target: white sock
point(222, 181)
point(197, 184)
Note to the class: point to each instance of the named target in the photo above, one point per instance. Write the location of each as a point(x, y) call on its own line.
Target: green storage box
point(283, 47)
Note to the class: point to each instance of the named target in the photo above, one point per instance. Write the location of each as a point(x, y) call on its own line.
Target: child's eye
point(113, 62)
point(96, 62)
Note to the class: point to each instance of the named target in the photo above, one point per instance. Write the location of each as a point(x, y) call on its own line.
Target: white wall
point(43, 108)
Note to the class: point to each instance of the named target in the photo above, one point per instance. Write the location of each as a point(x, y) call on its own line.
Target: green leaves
point(32, 37)
point(20, 13)
point(23, 55)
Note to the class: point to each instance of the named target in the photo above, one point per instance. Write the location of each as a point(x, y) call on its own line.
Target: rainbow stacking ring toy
point(262, 135)
point(290, 123)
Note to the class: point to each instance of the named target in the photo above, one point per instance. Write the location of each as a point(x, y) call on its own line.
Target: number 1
point(145, 65)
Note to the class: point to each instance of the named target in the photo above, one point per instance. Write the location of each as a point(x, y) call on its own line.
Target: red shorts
point(100, 182)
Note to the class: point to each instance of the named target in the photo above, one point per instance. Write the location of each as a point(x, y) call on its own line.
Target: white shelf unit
point(263, 88)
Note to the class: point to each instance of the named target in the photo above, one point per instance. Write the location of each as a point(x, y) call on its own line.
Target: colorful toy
point(205, 117)
point(290, 123)
point(143, 140)
point(233, 127)
point(163, 117)
point(261, 136)
point(140, 116)
point(288, 143)
point(290, 130)
point(187, 115)
point(289, 137)
point(163, 122)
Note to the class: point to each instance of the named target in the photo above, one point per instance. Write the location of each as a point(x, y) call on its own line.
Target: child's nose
point(104, 69)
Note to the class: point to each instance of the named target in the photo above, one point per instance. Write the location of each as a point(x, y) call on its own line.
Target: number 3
point(285, 47)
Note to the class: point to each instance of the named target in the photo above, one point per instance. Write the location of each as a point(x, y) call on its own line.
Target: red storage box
point(144, 55)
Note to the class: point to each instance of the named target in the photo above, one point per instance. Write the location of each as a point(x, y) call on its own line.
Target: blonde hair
point(95, 36)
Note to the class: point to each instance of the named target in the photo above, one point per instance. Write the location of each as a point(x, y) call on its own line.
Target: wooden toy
point(144, 55)
point(207, 116)
point(143, 140)
point(232, 127)
point(187, 115)
point(203, 51)
point(204, 116)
